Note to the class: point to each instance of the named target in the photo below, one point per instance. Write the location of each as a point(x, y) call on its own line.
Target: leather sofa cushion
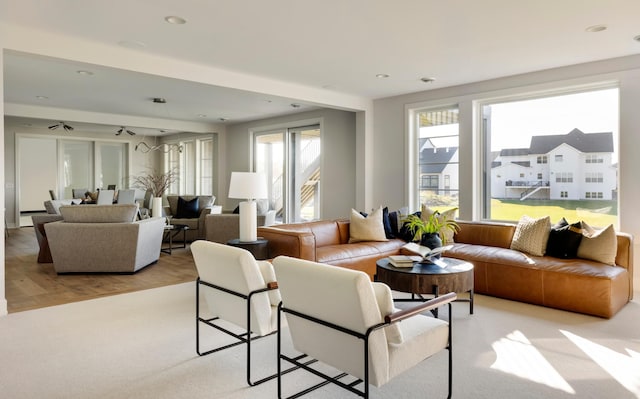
point(509, 257)
point(325, 232)
point(490, 234)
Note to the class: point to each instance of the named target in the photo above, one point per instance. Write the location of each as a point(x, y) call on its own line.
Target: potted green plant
point(431, 231)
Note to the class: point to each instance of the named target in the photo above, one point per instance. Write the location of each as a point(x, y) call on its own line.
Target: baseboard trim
point(3, 307)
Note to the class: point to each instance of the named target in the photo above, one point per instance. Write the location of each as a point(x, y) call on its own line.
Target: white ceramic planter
point(156, 207)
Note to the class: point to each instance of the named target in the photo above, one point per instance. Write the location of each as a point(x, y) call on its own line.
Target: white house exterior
point(574, 166)
point(438, 170)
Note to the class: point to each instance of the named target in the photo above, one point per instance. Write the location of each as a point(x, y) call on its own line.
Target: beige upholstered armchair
point(339, 317)
point(190, 210)
point(238, 290)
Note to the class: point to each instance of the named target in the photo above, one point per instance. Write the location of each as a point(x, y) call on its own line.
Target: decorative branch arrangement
point(158, 183)
point(144, 147)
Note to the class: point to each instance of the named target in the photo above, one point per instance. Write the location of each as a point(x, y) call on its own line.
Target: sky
point(513, 123)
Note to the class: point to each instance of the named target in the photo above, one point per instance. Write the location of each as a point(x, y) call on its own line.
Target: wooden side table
point(258, 248)
point(425, 278)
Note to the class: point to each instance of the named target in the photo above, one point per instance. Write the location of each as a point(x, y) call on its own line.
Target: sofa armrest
point(296, 244)
point(222, 227)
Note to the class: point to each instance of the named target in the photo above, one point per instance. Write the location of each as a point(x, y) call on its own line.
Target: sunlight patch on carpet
point(623, 368)
point(516, 355)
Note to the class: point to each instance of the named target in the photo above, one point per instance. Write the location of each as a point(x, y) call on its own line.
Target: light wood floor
point(31, 285)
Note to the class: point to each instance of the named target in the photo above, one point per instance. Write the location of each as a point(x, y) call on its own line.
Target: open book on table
point(425, 252)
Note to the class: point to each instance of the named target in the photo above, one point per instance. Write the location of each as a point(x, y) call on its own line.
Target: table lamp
point(252, 186)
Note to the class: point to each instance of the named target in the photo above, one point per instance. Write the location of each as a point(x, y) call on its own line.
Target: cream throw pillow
point(531, 235)
point(598, 245)
point(368, 228)
point(450, 214)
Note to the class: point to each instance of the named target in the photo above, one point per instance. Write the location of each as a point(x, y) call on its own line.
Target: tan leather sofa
point(327, 242)
point(577, 285)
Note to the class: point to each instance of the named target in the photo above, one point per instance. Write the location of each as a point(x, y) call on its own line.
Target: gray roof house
point(575, 165)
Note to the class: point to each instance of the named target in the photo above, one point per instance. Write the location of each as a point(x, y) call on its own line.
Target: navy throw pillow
point(564, 240)
point(188, 209)
point(405, 233)
point(386, 222)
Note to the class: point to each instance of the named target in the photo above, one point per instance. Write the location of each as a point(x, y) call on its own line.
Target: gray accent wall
point(338, 164)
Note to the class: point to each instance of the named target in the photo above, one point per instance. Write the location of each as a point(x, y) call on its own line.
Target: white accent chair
point(238, 290)
point(105, 197)
point(339, 317)
point(127, 196)
point(78, 192)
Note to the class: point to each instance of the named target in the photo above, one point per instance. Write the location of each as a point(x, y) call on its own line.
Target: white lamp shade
point(248, 185)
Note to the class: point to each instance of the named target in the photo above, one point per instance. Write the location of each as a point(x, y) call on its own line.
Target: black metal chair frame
point(352, 386)
point(243, 338)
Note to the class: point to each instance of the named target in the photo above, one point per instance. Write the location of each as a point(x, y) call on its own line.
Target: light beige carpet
point(142, 345)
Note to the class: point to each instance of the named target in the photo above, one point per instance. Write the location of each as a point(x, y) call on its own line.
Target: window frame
point(480, 206)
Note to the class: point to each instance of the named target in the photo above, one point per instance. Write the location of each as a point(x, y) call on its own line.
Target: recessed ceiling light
point(596, 28)
point(382, 75)
point(172, 19)
point(428, 80)
point(42, 97)
point(85, 73)
point(202, 116)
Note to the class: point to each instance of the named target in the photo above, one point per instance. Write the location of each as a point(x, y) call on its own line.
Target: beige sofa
point(53, 206)
point(223, 227)
point(103, 239)
point(196, 224)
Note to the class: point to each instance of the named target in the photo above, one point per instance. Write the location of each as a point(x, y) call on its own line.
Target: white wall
point(390, 116)
point(338, 164)
point(3, 300)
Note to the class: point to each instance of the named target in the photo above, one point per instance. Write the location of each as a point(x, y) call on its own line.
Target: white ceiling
point(333, 45)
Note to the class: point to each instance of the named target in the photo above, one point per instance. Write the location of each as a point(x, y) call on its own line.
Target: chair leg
point(450, 353)
point(244, 338)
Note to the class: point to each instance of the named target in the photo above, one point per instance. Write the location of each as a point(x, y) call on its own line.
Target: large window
point(193, 160)
point(290, 158)
point(436, 147)
point(578, 132)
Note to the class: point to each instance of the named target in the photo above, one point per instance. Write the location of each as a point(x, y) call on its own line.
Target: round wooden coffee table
point(448, 275)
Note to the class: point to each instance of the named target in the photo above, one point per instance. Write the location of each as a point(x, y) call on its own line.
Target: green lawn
point(594, 212)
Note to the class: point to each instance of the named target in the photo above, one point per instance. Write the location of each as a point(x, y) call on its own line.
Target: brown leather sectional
point(577, 285)
point(327, 241)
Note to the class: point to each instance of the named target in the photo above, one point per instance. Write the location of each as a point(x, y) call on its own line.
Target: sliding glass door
point(76, 166)
point(291, 160)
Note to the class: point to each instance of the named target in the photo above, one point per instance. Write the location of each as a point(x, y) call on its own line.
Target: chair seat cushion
point(422, 336)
